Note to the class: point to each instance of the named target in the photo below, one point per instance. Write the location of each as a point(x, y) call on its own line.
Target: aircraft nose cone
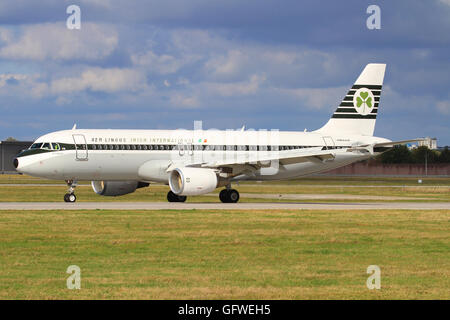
point(16, 163)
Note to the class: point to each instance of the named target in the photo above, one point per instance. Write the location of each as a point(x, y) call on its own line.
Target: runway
point(224, 206)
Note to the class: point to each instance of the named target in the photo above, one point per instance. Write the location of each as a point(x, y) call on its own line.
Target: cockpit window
point(56, 146)
point(36, 146)
point(46, 146)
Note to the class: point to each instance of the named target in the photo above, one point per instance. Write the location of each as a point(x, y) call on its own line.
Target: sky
point(273, 64)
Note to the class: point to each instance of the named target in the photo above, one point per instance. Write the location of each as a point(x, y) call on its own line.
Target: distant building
point(431, 143)
point(8, 151)
point(411, 146)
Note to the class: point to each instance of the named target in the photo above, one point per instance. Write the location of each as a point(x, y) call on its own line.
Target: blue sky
point(266, 64)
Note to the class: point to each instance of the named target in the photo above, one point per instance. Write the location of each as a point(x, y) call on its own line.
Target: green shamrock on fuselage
point(364, 99)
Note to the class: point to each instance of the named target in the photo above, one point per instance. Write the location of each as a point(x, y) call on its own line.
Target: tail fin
point(358, 110)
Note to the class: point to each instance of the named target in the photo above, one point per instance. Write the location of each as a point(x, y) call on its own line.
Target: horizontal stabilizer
point(389, 143)
point(393, 143)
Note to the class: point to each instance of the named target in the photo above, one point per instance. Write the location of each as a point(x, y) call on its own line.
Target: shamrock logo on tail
point(364, 100)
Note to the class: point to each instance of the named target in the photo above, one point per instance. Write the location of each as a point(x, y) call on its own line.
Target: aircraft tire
point(70, 197)
point(223, 195)
point(172, 197)
point(233, 196)
point(229, 196)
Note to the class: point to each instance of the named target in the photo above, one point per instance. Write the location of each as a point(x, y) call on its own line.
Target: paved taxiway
point(221, 206)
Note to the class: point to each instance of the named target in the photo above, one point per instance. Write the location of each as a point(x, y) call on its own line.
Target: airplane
point(196, 162)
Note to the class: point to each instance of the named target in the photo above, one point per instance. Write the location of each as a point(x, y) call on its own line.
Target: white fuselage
point(145, 155)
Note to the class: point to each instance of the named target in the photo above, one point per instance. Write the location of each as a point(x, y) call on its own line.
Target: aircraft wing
point(258, 160)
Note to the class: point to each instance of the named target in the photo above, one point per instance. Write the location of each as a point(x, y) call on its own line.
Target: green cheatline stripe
point(354, 116)
point(29, 152)
point(359, 86)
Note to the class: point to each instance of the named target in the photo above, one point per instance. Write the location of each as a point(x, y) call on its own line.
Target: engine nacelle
point(116, 188)
point(192, 181)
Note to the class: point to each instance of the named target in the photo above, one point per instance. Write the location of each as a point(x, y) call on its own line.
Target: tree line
point(401, 154)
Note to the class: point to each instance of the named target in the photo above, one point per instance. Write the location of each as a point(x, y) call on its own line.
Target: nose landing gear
point(70, 195)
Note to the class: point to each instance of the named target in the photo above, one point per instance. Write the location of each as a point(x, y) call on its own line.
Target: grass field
point(432, 189)
point(309, 180)
point(218, 254)
point(225, 254)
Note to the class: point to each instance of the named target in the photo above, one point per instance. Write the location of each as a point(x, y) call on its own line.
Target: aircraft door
point(180, 148)
point(81, 149)
point(329, 142)
point(190, 149)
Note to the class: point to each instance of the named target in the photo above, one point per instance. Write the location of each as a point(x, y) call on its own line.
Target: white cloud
point(99, 3)
point(161, 64)
point(22, 85)
point(55, 41)
point(5, 78)
point(232, 63)
point(316, 98)
point(444, 107)
point(98, 79)
point(447, 2)
point(235, 88)
point(184, 101)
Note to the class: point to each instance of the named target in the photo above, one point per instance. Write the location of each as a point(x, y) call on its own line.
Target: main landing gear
point(70, 195)
point(229, 196)
point(172, 197)
point(226, 196)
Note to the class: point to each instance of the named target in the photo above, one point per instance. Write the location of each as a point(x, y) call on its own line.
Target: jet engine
point(116, 188)
point(192, 181)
